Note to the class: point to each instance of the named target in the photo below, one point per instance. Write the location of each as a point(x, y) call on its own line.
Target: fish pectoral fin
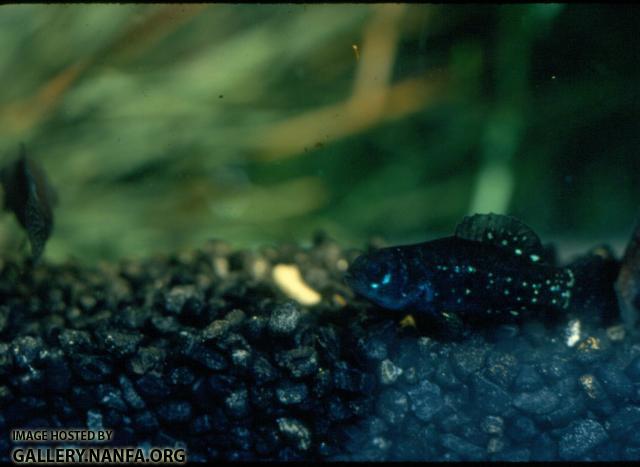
point(502, 231)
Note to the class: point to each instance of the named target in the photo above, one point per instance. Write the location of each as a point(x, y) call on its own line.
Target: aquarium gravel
point(206, 350)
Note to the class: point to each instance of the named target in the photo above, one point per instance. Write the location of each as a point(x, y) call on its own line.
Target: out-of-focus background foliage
point(162, 126)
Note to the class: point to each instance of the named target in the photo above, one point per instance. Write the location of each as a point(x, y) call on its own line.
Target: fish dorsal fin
point(502, 231)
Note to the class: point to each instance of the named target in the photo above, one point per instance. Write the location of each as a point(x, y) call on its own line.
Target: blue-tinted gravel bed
point(203, 350)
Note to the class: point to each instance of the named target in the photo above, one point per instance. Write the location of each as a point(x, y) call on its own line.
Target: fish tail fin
point(593, 291)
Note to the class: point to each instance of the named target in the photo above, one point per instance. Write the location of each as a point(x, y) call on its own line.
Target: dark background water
point(162, 126)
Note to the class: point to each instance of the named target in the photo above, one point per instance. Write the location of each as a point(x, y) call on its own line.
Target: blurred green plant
point(164, 125)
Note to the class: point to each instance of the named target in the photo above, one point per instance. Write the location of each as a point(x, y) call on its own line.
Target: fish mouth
point(350, 280)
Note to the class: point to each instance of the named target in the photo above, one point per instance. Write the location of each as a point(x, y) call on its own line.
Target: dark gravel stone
point(263, 371)
point(527, 380)
point(6, 359)
point(25, 351)
point(152, 386)
point(522, 429)
point(284, 318)
point(216, 330)
point(92, 369)
point(554, 368)
point(615, 382)
point(83, 397)
point(426, 400)
point(182, 376)
point(632, 437)
point(337, 410)
point(119, 344)
point(633, 370)
point(58, 375)
point(492, 425)
point(221, 385)
point(592, 388)
point(631, 453)
point(591, 350)
point(94, 420)
point(174, 411)
point(262, 397)
point(147, 359)
point(132, 318)
point(538, 403)
point(22, 408)
point(207, 357)
point(255, 327)
point(625, 422)
point(202, 424)
point(351, 380)
point(581, 437)
point(31, 382)
point(464, 449)
point(176, 298)
point(372, 349)
point(445, 376)
point(296, 432)
point(392, 406)
point(241, 358)
point(501, 368)
point(544, 449)
point(237, 403)
point(322, 383)
point(63, 408)
point(513, 455)
point(289, 393)
point(328, 342)
point(569, 409)
point(165, 324)
point(129, 393)
point(490, 396)
point(389, 372)
point(5, 396)
point(145, 422)
point(73, 341)
point(111, 397)
point(300, 362)
point(242, 440)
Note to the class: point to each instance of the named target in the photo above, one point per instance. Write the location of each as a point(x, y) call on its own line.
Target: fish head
point(382, 277)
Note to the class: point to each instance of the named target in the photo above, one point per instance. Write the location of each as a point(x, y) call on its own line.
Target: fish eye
point(385, 280)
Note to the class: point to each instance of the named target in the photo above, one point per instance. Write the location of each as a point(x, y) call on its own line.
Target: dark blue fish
point(492, 264)
point(30, 196)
